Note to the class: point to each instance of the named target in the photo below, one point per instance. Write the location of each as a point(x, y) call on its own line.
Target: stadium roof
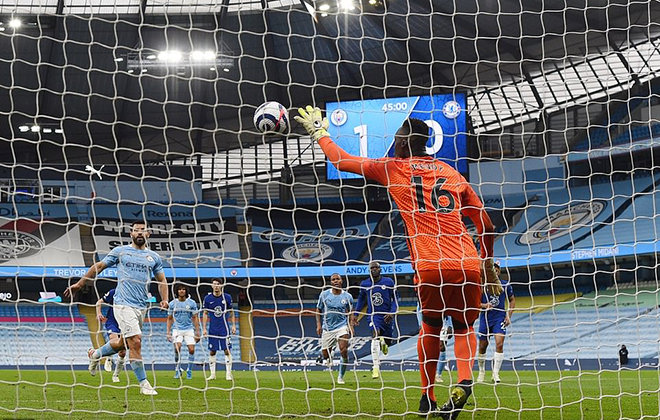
point(65, 67)
point(125, 7)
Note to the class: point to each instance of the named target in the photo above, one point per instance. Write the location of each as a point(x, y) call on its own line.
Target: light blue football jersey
point(183, 312)
point(135, 269)
point(335, 309)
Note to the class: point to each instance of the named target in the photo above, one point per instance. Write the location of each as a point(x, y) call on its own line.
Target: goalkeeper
point(432, 198)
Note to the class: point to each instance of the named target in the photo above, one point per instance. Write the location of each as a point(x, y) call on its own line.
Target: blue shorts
point(490, 327)
point(382, 328)
point(112, 327)
point(219, 343)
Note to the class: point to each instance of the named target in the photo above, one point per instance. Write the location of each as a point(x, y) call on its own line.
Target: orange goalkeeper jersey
point(430, 196)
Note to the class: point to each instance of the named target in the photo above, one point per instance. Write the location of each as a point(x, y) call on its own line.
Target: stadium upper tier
point(584, 222)
point(542, 225)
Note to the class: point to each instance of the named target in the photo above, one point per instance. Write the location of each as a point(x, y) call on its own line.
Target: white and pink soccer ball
point(271, 117)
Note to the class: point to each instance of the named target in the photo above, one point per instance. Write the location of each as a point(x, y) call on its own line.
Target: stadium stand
point(38, 334)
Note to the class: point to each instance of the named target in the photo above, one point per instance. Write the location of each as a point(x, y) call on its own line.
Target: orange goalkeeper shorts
point(454, 293)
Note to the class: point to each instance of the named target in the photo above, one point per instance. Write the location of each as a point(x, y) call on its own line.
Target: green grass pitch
point(522, 395)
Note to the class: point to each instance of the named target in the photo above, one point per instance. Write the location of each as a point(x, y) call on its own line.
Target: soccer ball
point(271, 117)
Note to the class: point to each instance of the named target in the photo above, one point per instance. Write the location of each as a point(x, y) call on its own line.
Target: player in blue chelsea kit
point(136, 265)
point(494, 319)
point(217, 307)
point(183, 315)
point(379, 295)
point(335, 306)
point(112, 329)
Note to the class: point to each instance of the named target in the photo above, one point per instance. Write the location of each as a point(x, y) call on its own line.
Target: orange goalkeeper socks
point(428, 351)
point(465, 348)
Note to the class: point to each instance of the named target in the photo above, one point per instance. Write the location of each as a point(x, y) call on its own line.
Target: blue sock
point(176, 360)
point(104, 351)
point(342, 366)
point(442, 362)
point(138, 369)
point(191, 360)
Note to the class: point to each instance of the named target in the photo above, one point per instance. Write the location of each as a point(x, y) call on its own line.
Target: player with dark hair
point(217, 307)
point(432, 199)
point(494, 319)
point(378, 293)
point(183, 315)
point(136, 265)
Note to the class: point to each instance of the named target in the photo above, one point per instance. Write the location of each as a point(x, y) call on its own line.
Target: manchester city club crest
point(14, 244)
point(338, 117)
point(307, 252)
point(562, 222)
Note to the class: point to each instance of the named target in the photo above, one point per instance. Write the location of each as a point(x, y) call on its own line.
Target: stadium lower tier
point(562, 328)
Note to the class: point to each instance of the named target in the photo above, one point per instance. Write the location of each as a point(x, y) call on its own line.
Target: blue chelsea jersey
point(381, 298)
point(498, 301)
point(218, 308)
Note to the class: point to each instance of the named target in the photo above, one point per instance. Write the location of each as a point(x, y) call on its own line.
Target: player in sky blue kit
point(183, 315)
point(136, 265)
point(335, 306)
point(379, 295)
point(217, 306)
point(112, 329)
point(494, 319)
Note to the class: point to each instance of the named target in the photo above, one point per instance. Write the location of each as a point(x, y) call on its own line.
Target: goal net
point(125, 111)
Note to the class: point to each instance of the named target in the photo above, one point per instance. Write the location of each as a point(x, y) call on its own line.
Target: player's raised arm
point(317, 127)
point(91, 274)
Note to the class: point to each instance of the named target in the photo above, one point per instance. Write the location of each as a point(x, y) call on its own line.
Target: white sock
point(498, 358)
point(119, 365)
point(481, 360)
point(212, 360)
point(228, 362)
point(375, 351)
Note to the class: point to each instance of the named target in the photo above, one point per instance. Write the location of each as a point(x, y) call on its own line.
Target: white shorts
point(179, 336)
point(129, 319)
point(330, 338)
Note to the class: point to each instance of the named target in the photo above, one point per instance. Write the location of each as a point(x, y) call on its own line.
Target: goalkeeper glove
point(313, 121)
point(493, 284)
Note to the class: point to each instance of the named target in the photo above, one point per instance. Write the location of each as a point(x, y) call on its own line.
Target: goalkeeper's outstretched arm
point(316, 125)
